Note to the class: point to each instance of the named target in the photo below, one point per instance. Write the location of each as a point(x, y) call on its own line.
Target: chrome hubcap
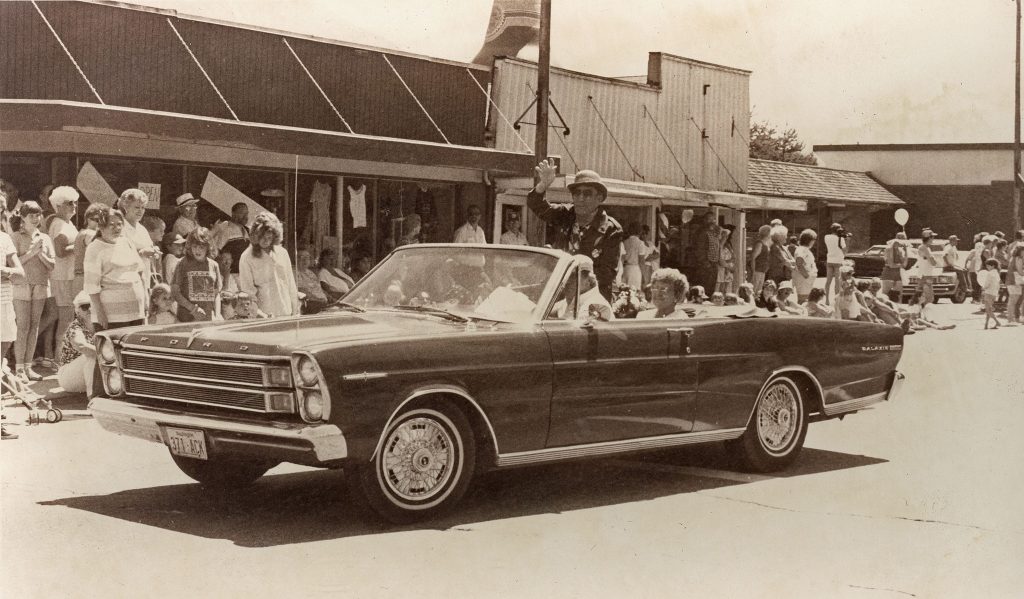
point(776, 417)
point(417, 459)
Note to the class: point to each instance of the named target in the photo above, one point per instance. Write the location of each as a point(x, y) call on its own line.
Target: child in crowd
point(813, 305)
point(746, 293)
point(197, 280)
point(225, 261)
point(160, 305)
point(918, 315)
point(718, 298)
point(244, 308)
point(697, 295)
point(227, 303)
point(731, 299)
point(989, 281)
point(766, 299)
point(174, 245)
point(785, 300)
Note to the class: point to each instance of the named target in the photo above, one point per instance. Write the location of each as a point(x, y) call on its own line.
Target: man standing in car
point(585, 225)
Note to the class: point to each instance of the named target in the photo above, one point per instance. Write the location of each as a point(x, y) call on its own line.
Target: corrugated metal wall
point(622, 106)
point(134, 59)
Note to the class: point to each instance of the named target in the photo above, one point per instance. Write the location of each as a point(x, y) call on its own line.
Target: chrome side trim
point(612, 447)
point(364, 376)
point(775, 373)
point(852, 405)
point(427, 391)
point(326, 441)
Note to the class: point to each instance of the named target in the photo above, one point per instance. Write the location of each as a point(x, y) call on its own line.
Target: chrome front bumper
point(325, 442)
point(897, 385)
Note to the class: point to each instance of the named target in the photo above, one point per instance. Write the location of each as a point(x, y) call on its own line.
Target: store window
point(222, 188)
point(24, 178)
point(103, 180)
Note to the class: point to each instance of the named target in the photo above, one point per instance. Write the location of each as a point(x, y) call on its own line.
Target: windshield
point(501, 284)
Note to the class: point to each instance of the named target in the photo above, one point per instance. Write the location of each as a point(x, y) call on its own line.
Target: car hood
point(281, 335)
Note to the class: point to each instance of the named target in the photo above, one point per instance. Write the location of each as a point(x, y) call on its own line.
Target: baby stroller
point(16, 391)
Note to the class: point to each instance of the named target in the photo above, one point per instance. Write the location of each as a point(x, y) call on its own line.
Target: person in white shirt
point(471, 232)
point(513, 234)
point(928, 267)
point(634, 250)
point(835, 244)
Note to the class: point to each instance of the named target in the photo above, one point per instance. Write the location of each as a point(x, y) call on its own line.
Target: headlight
point(314, 404)
point(115, 380)
point(308, 372)
point(107, 353)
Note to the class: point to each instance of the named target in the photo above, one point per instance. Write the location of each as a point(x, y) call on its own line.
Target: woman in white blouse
point(265, 270)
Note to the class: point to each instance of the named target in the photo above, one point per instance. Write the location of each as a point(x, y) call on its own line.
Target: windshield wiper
point(435, 311)
point(348, 306)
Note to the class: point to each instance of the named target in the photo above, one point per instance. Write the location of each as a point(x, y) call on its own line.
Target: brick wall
point(960, 209)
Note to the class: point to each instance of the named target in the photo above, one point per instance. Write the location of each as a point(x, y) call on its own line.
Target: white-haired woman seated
point(668, 288)
point(265, 270)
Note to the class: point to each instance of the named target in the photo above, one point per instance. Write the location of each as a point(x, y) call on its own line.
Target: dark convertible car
point(450, 359)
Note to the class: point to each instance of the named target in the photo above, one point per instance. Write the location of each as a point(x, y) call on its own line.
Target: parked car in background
point(869, 264)
point(446, 360)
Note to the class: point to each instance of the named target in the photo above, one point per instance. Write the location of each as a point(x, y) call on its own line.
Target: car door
point(618, 380)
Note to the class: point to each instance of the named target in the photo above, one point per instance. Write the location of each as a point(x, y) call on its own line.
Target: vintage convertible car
point(448, 359)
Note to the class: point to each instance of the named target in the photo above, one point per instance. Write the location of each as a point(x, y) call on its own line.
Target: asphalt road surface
point(919, 497)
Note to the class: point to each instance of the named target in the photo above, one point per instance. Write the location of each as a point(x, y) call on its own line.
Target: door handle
point(684, 339)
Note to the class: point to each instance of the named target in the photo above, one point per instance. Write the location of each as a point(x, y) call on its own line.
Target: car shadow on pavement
point(314, 506)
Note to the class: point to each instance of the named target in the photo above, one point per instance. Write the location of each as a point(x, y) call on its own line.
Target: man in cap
point(186, 220)
point(895, 256)
point(586, 227)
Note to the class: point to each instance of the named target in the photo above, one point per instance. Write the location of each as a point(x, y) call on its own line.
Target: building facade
point(959, 189)
point(345, 143)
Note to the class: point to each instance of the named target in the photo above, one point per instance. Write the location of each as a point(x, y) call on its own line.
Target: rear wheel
point(222, 473)
point(423, 466)
point(777, 429)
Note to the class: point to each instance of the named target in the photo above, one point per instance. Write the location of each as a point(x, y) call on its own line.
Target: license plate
point(187, 443)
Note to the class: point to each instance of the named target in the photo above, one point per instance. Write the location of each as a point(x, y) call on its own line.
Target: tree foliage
point(767, 143)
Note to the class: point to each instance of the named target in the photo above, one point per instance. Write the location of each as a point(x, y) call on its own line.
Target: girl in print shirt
point(197, 280)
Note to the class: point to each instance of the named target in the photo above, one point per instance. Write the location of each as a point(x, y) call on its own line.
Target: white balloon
point(687, 215)
point(901, 216)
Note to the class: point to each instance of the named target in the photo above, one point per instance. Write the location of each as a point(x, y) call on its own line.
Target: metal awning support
point(320, 89)
point(498, 110)
point(565, 126)
point(411, 93)
point(68, 52)
point(200, 65)
point(617, 145)
point(687, 181)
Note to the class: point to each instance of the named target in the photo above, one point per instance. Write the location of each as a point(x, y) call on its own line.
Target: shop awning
point(664, 195)
point(779, 181)
point(81, 128)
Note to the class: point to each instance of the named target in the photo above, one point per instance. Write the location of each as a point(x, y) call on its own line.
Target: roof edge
point(911, 147)
point(702, 63)
point(817, 166)
point(292, 34)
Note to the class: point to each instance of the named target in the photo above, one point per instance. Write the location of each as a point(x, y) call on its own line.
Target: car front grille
point(217, 383)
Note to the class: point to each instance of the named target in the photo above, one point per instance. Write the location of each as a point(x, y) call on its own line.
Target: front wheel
point(777, 429)
point(960, 295)
point(423, 467)
point(222, 473)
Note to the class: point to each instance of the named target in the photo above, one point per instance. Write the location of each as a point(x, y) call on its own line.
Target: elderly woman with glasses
point(668, 288)
point(114, 273)
point(77, 355)
point(132, 204)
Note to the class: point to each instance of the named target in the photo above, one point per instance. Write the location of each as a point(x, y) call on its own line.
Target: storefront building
point(344, 143)
point(670, 145)
point(820, 196)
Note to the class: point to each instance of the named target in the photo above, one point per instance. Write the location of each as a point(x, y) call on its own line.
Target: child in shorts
point(989, 281)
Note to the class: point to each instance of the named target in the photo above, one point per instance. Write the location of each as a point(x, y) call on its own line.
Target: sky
point(837, 71)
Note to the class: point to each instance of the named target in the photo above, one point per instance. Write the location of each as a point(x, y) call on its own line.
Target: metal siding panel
point(34, 65)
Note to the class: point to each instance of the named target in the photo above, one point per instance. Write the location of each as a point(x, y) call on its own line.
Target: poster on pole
point(94, 187)
point(223, 195)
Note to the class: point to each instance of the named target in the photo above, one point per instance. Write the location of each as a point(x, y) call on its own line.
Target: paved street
point(916, 498)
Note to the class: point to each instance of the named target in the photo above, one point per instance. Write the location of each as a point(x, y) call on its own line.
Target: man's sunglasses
point(85, 306)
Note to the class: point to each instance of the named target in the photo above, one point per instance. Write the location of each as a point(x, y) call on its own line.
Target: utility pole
point(1016, 132)
point(540, 145)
